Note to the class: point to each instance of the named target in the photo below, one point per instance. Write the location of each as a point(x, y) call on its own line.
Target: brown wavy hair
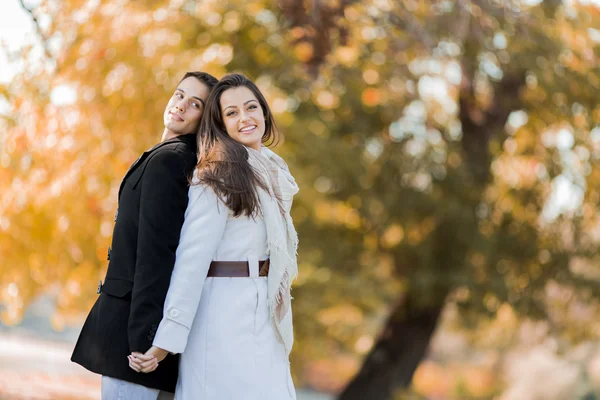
point(223, 162)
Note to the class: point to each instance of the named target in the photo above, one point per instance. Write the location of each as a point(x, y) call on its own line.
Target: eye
point(252, 107)
point(196, 105)
point(179, 95)
point(230, 113)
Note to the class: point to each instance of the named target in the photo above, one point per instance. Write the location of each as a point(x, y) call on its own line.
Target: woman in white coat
point(228, 309)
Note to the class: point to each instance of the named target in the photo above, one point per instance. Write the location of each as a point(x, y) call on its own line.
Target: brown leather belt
point(236, 269)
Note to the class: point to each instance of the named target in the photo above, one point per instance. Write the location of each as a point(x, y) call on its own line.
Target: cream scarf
point(282, 239)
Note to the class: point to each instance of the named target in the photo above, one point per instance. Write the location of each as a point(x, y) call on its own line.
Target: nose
point(244, 116)
point(180, 105)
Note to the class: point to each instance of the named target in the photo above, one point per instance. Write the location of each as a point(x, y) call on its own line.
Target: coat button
point(174, 313)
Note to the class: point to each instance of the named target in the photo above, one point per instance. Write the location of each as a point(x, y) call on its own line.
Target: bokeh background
point(447, 153)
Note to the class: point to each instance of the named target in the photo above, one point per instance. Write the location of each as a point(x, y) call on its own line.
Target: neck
point(168, 134)
point(254, 147)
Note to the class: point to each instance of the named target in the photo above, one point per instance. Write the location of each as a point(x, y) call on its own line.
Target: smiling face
point(243, 116)
point(183, 112)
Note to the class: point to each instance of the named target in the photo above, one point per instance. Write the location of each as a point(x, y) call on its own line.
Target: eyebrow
point(244, 104)
point(195, 97)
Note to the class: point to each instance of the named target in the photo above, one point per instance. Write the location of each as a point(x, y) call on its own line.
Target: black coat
point(152, 201)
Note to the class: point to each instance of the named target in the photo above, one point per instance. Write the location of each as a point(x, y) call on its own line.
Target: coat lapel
point(134, 166)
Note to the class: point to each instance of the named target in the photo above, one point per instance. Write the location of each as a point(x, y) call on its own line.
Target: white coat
point(221, 325)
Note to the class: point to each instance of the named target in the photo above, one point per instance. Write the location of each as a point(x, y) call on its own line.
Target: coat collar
point(189, 140)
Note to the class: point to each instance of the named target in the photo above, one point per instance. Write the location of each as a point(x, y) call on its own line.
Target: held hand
point(141, 362)
point(157, 352)
point(146, 362)
point(137, 361)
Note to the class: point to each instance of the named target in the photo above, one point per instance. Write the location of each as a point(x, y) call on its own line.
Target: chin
point(252, 145)
point(174, 127)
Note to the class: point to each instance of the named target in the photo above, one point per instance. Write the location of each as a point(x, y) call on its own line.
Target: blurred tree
point(434, 144)
point(465, 222)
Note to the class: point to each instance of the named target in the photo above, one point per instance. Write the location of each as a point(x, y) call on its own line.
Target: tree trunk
point(395, 357)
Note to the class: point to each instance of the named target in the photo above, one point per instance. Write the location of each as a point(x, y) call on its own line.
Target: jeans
point(117, 389)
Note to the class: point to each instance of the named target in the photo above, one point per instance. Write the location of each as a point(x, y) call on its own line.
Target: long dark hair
point(223, 162)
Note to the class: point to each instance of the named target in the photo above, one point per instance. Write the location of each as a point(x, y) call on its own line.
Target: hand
point(157, 352)
point(140, 362)
point(146, 362)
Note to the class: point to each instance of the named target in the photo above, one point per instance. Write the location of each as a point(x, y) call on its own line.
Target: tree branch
point(409, 22)
point(463, 22)
point(38, 29)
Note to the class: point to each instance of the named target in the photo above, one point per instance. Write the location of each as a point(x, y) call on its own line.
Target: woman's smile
point(248, 129)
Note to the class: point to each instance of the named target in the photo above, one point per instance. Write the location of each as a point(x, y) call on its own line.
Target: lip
point(175, 116)
point(248, 131)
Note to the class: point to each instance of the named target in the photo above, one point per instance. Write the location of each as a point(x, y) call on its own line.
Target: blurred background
point(447, 153)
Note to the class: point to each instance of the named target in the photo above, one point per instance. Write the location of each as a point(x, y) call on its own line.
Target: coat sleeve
point(163, 201)
point(202, 231)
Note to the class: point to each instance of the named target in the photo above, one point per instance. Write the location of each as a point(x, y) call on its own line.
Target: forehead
point(236, 97)
point(194, 88)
